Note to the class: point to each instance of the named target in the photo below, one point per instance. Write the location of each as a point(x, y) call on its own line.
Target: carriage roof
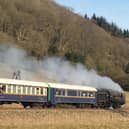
point(46, 84)
point(73, 87)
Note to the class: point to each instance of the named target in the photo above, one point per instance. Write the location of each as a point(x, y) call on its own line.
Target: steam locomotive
point(43, 94)
point(110, 98)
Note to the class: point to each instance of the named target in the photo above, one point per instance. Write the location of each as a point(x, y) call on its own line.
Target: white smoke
point(53, 69)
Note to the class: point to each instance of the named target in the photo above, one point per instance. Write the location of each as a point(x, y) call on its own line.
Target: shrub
point(127, 68)
point(52, 49)
point(75, 57)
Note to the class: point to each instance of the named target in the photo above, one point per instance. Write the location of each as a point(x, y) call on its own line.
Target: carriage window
point(72, 93)
point(88, 94)
point(28, 90)
point(37, 90)
point(61, 92)
point(57, 92)
point(14, 89)
point(24, 90)
point(92, 94)
point(77, 93)
point(2, 88)
point(66, 93)
point(18, 89)
point(9, 88)
point(42, 91)
point(83, 94)
point(80, 93)
point(33, 90)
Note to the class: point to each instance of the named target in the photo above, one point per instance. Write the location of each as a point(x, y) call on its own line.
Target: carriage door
point(50, 95)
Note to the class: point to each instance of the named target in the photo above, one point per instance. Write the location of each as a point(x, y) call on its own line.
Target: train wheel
point(81, 105)
point(36, 105)
point(25, 105)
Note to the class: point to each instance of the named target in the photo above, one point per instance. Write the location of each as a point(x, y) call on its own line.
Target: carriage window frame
point(61, 92)
point(38, 90)
point(24, 90)
point(4, 88)
point(45, 91)
point(9, 89)
point(33, 90)
point(81, 93)
point(56, 92)
point(19, 89)
point(42, 91)
point(72, 93)
point(28, 90)
point(66, 92)
point(92, 94)
point(14, 89)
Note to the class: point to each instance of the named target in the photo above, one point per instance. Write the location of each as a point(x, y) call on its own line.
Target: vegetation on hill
point(42, 27)
point(112, 28)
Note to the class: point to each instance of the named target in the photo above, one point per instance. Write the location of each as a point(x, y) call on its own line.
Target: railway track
point(44, 108)
point(120, 111)
point(15, 107)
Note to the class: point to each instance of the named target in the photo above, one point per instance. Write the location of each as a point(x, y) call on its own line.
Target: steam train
point(43, 94)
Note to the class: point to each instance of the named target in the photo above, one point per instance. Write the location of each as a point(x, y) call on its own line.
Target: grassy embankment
point(65, 118)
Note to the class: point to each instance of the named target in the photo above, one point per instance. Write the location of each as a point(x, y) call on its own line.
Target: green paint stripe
point(49, 92)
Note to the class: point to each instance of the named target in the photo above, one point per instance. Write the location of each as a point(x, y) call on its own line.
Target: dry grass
point(65, 118)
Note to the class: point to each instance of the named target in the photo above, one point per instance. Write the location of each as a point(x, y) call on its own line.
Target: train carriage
point(30, 93)
point(76, 95)
point(26, 92)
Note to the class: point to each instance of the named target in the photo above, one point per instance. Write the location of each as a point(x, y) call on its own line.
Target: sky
point(116, 11)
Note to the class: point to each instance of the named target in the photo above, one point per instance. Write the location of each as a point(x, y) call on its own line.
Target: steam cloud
point(53, 69)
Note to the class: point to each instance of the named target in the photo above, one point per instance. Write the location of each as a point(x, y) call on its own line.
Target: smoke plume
point(52, 69)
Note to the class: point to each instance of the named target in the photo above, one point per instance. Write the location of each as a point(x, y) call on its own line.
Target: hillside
point(44, 28)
